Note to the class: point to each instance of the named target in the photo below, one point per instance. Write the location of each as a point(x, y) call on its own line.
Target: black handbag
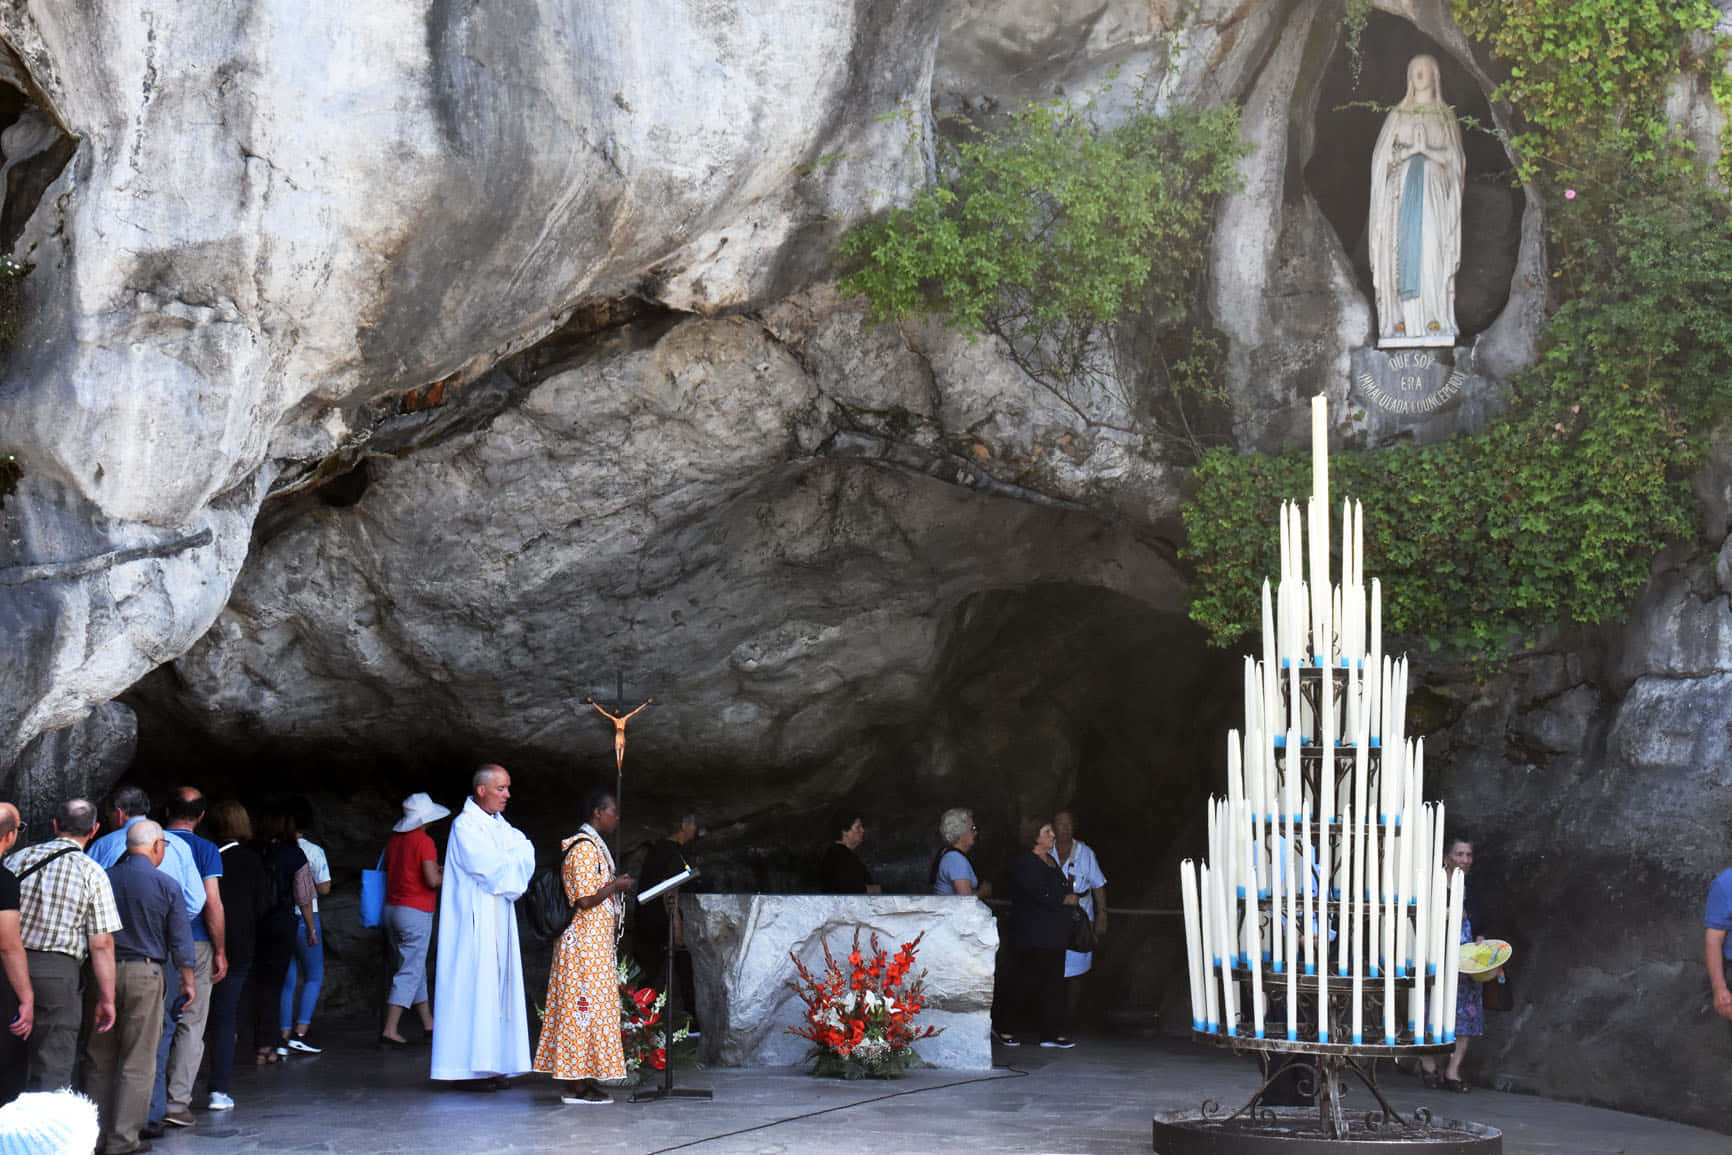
point(1082, 931)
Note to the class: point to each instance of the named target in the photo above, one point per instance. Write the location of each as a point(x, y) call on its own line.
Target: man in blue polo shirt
point(182, 1045)
point(1718, 948)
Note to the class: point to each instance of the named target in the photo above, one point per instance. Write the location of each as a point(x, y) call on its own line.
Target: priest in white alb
point(483, 1020)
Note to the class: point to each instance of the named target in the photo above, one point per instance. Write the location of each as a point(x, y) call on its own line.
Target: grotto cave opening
point(1048, 696)
point(1351, 104)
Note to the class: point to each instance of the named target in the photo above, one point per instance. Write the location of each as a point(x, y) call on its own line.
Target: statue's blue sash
point(1410, 230)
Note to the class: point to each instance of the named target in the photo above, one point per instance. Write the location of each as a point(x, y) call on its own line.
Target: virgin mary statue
point(1417, 172)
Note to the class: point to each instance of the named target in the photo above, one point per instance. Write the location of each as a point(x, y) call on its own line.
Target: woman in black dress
point(841, 871)
point(1031, 952)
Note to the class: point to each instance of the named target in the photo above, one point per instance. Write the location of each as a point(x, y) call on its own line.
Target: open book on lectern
point(666, 884)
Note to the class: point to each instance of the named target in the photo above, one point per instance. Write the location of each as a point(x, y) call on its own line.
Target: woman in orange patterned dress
point(580, 1040)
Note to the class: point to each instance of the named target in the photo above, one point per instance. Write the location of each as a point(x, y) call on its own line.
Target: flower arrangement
point(641, 1031)
point(860, 1021)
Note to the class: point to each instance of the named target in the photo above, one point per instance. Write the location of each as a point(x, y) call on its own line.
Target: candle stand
point(1322, 925)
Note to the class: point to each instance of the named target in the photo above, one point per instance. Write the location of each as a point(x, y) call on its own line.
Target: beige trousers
point(188, 1045)
point(120, 1064)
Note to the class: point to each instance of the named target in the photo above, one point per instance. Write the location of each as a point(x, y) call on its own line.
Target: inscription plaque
point(1408, 383)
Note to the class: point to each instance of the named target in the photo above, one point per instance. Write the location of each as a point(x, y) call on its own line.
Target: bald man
point(120, 1065)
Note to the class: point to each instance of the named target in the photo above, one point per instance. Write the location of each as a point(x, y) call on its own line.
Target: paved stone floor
point(1099, 1097)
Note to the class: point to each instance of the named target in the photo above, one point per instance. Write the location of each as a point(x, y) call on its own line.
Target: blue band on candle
point(1389, 1040)
point(1344, 664)
point(1198, 1025)
point(1382, 818)
point(1292, 1035)
point(1262, 892)
point(1413, 900)
point(1268, 955)
point(1217, 960)
point(1430, 969)
point(1376, 741)
point(1259, 1032)
point(1280, 967)
point(1341, 972)
point(1449, 1036)
point(1214, 1028)
point(1322, 1034)
point(1376, 973)
point(1317, 662)
point(1359, 1038)
point(1285, 662)
point(1310, 968)
point(1280, 739)
point(1241, 892)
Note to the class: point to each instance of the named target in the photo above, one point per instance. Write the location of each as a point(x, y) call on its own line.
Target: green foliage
point(1063, 242)
point(1553, 513)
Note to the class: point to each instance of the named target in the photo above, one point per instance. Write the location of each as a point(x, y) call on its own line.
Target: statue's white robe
point(478, 993)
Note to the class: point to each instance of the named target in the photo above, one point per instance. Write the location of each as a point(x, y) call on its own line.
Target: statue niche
point(1417, 173)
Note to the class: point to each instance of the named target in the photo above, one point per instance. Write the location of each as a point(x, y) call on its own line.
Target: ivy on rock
point(1553, 513)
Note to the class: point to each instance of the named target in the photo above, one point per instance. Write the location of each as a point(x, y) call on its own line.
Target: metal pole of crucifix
point(619, 720)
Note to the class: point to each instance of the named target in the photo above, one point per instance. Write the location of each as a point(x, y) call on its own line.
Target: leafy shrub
point(1054, 237)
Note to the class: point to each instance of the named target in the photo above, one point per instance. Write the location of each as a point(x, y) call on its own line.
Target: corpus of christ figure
point(618, 730)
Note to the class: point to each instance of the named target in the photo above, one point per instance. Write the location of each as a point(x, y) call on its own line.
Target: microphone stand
point(667, 1089)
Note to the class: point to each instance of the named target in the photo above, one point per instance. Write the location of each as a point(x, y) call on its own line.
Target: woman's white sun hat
point(419, 810)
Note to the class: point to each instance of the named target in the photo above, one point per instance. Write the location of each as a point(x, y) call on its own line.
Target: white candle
point(1193, 943)
point(1354, 909)
point(1374, 659)
point(1343, 909)
point(1391, 911)
point(1439, 924)
point(1278, 913)
point(1452, 953)
point(1291, 870)
point(1374, 898)
point(1253, 925)
point(1320, 450)
point(1229, 988)
point(1211, 1007)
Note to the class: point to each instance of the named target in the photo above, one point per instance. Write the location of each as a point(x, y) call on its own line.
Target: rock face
point(740, 946)
point(392, 381)
point(273, 218)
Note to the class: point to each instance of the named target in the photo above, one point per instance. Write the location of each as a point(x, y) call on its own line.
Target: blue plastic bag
point(373, 894)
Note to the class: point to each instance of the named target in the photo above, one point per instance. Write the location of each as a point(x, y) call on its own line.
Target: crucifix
point(619, 720)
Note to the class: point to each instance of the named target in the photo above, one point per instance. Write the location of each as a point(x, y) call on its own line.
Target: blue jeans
point(225, 1001)
point(308, 962)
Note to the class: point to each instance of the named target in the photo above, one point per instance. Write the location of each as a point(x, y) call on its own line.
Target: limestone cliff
point(394, 378)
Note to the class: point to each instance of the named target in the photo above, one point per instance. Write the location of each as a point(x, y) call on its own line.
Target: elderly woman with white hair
point(953, 871)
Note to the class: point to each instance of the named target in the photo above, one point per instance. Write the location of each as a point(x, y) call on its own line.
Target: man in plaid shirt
point(66, 910)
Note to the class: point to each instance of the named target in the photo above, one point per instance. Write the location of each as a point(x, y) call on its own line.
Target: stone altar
point(740, 945)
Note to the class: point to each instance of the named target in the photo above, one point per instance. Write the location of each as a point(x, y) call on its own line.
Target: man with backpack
point(66, 911)
point(483, 1021)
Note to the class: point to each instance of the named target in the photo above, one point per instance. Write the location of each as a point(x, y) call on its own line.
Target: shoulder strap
point(45, 860)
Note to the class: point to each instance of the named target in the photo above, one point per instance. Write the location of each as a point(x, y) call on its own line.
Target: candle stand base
point(1298, 1131)
point(1328, 1127)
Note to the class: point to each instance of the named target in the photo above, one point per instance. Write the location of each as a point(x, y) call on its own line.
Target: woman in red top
point(412, 877)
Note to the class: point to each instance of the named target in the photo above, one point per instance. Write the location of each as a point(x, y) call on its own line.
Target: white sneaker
point(220, 1102)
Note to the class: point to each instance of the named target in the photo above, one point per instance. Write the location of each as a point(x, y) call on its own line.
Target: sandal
point(267, 1056)
point(1455, 1085)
